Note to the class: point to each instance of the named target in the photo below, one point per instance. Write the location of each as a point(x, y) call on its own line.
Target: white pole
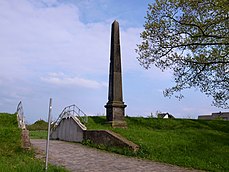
point(47, 142)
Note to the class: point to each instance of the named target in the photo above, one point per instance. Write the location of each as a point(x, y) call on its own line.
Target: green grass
point(39, 134)
point(12, 157)
point(38, 125)
point(195, 144)
point(38, 130)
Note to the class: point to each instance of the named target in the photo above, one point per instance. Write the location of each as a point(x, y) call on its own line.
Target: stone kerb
point(26, 144)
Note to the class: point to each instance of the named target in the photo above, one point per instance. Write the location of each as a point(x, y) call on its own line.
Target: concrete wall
point(109, 138)
point(70, 129)
point(67, 130)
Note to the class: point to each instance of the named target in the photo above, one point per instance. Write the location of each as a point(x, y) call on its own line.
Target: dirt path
point(79, 158)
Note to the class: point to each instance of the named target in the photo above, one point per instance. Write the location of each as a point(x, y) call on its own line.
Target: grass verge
point(195, 144)
point(12, 157)
point(38, 134)
point(38, 125)
point(38, 130)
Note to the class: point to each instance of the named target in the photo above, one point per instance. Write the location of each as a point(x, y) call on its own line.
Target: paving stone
point(79, 158)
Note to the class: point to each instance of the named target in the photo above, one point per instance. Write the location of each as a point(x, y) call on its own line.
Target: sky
point(60, 49)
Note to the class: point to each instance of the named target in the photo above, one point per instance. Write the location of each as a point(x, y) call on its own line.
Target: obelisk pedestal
point(115, 107)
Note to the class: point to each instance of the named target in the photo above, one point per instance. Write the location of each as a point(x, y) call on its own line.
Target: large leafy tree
point(191, 38)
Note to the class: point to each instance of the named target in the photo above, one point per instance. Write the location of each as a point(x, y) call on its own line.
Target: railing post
point(47, 142)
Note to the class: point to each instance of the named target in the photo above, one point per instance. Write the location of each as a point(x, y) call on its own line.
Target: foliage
point(196, 144)
point(190, 38)
point(12, 157)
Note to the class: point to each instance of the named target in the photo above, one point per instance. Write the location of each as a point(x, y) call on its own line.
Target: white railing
point(69, 111)
point(20, 116)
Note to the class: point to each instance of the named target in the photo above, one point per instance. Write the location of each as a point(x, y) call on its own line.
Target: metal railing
point(69, 111)
point(20, 116)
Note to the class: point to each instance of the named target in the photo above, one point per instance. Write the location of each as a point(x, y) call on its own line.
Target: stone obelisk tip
point(115, 25)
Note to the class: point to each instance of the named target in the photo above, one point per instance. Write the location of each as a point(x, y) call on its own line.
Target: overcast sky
point(60, 49)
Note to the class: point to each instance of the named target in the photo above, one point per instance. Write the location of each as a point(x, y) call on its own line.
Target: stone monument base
point(115, 114)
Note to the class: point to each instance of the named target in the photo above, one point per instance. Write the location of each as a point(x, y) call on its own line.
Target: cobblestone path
point(80, 158)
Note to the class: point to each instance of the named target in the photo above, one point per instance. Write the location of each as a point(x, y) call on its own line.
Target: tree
point(190, 38)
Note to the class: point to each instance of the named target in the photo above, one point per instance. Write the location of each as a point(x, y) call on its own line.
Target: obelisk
point(115, 107)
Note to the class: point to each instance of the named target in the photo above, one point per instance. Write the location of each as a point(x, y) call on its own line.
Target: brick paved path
point(80, 158)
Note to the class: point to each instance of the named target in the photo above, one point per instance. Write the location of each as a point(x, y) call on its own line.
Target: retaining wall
point(70, 130)
point(67, 130)
point(109, 138)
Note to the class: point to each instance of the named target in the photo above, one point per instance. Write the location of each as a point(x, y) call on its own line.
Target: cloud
point(48, 35)
point(60, 79)
point(37, 34)
point(51, 43)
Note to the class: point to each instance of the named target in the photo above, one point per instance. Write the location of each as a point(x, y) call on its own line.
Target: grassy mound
point(196, 144)
point(38, 130)
point(12, 157)
point(38, 125)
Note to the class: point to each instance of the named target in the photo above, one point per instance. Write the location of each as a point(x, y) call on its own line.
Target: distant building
point(164, 115)
point(219, 115)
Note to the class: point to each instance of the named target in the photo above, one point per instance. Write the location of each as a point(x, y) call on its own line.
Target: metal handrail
point(20, 116)
point(69, 111)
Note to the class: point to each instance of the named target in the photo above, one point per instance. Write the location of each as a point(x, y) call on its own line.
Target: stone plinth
point(115, 114)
